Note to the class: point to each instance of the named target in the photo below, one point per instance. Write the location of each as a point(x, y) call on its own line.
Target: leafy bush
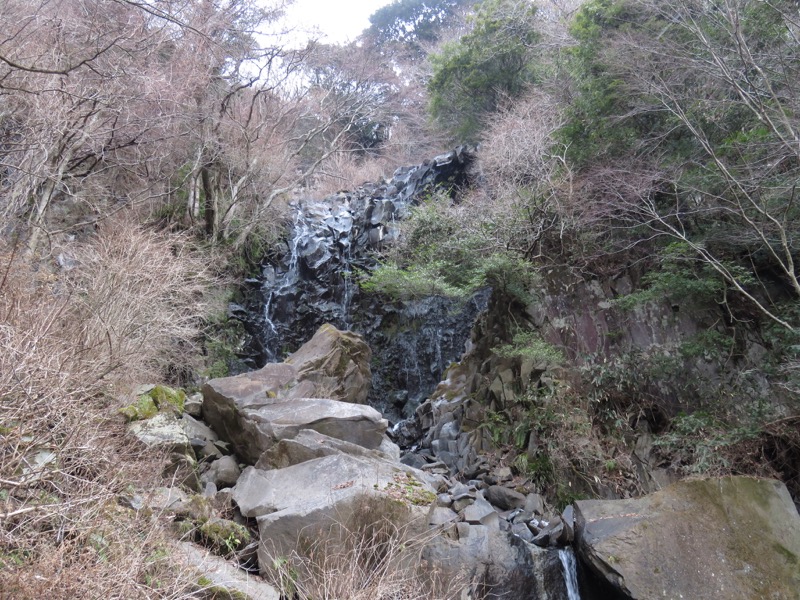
point(415, 281)
point(452, 251)
point(492, 60)
point(678, 279)
point(529, 345)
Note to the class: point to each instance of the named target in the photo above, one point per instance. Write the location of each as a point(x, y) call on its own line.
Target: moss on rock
point(158, 399)
point(166, 397)
point(223, 536)
point(143, 408)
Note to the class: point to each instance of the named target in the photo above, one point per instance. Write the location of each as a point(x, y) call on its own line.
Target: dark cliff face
point(331, 242)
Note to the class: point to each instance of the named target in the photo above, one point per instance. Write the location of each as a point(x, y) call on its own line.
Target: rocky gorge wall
point(331, 243)
point(521, 425)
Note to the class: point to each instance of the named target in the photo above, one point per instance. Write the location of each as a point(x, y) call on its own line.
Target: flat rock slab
point(298, 502)
point(163, 430)
point(732, 538)
point(355, 423)
point(309, 444)
point(318, 482)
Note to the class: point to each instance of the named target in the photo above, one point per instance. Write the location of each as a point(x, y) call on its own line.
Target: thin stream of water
point(567, 557)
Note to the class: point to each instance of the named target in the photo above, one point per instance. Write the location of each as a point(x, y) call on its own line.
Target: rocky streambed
point(279, 456)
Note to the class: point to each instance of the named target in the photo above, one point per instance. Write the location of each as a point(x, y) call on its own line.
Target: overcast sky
point(338, 20)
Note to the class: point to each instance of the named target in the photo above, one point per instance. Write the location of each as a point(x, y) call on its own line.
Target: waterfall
point(567, 557)
point(331, 242)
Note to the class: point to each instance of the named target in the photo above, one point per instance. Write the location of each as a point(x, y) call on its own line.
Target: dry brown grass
point(407, 146)
point(71, 342)
point(372, 554)
point(347, 172)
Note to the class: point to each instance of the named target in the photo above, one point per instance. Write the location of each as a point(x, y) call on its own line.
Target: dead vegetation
point(374, 553)
point(73, 340)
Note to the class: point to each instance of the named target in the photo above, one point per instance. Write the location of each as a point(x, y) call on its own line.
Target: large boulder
point(733, 538)
point(320, 387)
point(497, 563)
point(300, 501)
point(309, 444)
point(254, 429)
point(337, 363)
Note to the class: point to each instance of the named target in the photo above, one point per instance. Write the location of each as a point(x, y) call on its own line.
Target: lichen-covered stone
point(155, 399)
point(730, 538)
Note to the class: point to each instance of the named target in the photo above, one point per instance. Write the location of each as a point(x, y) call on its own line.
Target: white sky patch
point(338, 21)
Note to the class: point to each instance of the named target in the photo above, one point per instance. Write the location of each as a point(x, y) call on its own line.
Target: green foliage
point(696, 101)
point(539, 469)
point(529, 345)
point(439, 256)
point(593, 128)
point(701, 441)
point(710, 344)
point(677, 282)
point(509, 274)
point(413, 22)
point(498, 426)
point(223, 338)
point(223, 536)
point(624, 384)
point(493, 60)
point(415, 281)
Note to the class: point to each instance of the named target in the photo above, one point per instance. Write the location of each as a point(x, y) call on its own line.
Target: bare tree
point(108, 104)
point(722, 80)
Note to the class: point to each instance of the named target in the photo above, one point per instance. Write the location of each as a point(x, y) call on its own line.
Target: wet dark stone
point(315, 282)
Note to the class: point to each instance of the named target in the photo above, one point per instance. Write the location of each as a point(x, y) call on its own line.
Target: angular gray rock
point(503, 497)
point(500, 565)
point(163, 431)
point(255, 428)
point(197, 430)
point(220, 578)
point(300, 501)
point(478, 511)
point(316, 384)
point(441, 515)
point(732, 538)
point(309, 444)
point(222, 473)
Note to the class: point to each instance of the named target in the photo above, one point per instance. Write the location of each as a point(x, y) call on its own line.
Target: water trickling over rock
point(567, 557)
point(315, 282)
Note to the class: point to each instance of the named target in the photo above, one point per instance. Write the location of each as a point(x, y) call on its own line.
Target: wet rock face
point(332, 241)
point(733, 538)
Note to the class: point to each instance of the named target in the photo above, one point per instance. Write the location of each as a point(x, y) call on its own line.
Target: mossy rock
point(166, 397)
point(160, 398)
point(211, 591)
point(143, 408)
point(223, 536)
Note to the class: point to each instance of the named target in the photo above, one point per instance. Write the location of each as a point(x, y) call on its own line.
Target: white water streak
point(567, 557)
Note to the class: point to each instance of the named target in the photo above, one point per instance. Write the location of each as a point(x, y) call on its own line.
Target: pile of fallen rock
point(280, 454)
